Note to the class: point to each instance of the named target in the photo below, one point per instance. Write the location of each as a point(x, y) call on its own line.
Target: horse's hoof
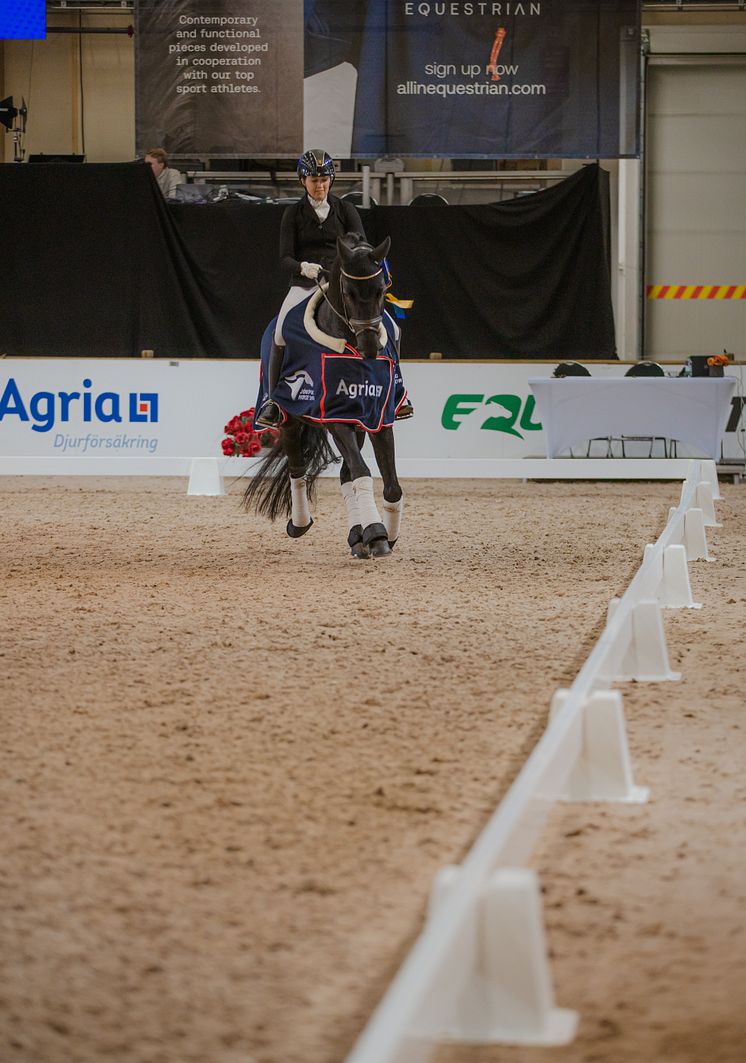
point(392, 544)
point(380, 548)
point(373, 533)
point(295, 532)
point(355, 542)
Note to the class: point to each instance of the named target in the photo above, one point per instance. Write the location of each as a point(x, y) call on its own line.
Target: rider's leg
point(270, 414)
point(405, 410)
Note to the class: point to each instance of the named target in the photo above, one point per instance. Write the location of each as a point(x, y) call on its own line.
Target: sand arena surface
point(233, 763)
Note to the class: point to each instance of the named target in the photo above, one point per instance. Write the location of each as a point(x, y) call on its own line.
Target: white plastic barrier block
point(603, 770)
point(668, 579)
point(675, 591)
point(508, 997)
point(705, 503)
point(695, 537)
point(645, 658)
point(205, 477)
point(708, 473)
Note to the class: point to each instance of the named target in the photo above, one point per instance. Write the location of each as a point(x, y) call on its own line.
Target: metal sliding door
point(695, 238)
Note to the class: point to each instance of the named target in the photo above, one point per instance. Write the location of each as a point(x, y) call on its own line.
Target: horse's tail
point(268, 492)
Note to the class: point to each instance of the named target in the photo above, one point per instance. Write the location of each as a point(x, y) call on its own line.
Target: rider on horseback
point(308, 245)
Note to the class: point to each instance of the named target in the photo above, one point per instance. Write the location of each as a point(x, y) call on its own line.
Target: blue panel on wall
point(23, 20)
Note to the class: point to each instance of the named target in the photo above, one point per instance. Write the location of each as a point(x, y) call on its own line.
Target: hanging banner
point(367, 78)
point(219, 77)
point(480, 79)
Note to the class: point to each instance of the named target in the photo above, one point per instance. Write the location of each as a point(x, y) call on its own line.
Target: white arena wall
point(465, 412)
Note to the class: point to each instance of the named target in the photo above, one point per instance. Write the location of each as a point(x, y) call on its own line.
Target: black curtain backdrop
point(95, 263)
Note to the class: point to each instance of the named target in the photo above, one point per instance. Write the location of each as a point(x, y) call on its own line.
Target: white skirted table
point(693, 410)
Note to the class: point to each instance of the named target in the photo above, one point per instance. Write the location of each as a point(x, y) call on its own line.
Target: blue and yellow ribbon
point(399, 305)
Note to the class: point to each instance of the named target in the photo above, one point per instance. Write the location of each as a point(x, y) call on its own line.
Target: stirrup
point(270, 415)
point(405, 411)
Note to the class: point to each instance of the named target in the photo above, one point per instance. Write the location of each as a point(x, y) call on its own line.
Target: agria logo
point(457, 407)
point(48, 408)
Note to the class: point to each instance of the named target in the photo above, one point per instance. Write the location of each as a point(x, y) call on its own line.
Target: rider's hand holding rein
point(311, 270)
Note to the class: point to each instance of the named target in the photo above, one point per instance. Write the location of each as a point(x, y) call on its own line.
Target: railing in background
point(458, 187)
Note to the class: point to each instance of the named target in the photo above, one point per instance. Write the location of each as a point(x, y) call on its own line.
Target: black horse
point(341, 346)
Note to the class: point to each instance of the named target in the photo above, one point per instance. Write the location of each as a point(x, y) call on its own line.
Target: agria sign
point(517, 419)
point(45, 410)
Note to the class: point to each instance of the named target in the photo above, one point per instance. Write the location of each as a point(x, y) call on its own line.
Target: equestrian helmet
point(315, 163)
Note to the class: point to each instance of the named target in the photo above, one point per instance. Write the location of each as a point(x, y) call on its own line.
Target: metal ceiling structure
point(114, 7)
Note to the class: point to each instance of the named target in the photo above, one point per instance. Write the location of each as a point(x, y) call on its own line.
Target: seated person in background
point(168, 179)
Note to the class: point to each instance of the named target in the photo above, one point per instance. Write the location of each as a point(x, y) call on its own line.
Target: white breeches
point(295, 295)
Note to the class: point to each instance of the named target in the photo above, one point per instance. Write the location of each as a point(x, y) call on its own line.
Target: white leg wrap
point(300, 514)
point(366, 503)
point(392, 512)
point(353, 510)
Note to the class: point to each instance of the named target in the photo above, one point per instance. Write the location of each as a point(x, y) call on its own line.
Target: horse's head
point(362, 289)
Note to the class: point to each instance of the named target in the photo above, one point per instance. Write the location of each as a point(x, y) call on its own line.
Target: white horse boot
point(300, 513)
point(374, 532)
point(354, 524)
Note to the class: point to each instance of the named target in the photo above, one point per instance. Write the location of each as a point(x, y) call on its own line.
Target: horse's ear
point(342, 249)
point(380, 252)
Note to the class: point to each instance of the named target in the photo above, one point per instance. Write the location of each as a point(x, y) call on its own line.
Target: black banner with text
point(366, 78)
point(220, 77)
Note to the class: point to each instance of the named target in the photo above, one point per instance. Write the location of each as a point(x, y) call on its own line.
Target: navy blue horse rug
point(325, 380)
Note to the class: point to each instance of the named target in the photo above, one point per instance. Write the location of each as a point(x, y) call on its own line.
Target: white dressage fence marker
point(508, 996)
point(670, 576)
point(708, 472)
point(695, 537)
point(705, 503)
point(205, 477)
point(675, 591)
point(645, 658)
point(603, 770)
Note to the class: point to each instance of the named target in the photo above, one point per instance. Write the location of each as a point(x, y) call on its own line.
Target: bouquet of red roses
point(241, 440)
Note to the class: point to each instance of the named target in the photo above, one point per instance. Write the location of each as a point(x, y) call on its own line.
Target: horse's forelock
point(360, 260)
point(354, 248)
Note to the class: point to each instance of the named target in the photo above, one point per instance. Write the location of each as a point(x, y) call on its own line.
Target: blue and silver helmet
point(315, 163)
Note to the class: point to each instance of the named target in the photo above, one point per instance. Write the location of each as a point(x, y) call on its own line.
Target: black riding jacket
point(303, 239)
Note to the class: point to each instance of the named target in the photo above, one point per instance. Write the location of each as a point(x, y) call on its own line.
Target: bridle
point(356, 325)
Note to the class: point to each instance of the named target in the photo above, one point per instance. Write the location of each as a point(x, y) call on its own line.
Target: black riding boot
point(405, 411)
point(270, 415)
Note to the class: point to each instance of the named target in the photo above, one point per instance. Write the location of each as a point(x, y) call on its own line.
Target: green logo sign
point(458, 407)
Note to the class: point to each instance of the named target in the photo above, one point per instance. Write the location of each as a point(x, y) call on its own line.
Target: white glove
point(310, 270)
